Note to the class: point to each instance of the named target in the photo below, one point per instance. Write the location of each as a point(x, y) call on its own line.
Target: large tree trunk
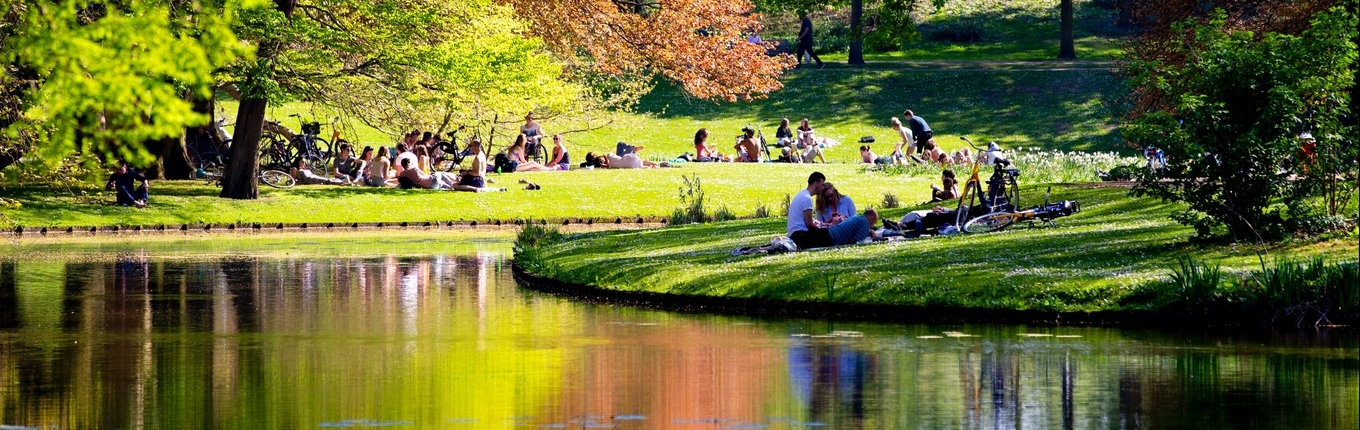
point(857, 39)
point(1126, 18)
point(1067, 47)
point(172, 161)
point(241, 180)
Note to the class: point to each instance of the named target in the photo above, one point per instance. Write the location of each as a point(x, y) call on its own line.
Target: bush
point(691, 201)
point(890, 201)
point(529, 243)
point(1304, 289)
point(962, 30)
point(723, 214)
point(1228, 125)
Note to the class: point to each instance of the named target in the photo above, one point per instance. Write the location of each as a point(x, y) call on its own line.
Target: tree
point(394, 64)
point(1067, 46)
point(1232, 104)
point(699, 44)
point(857, 32)
point(137, 59)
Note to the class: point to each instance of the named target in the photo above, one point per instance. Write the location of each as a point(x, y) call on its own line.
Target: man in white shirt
point(803, 227)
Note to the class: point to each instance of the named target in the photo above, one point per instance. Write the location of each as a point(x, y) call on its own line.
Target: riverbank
point(1097, 264)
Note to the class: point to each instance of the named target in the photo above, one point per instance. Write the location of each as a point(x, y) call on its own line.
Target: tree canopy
point(1232, 106)
point(84, 77)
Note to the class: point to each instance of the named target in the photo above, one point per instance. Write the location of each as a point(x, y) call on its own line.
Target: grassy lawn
point(579, 193)
point(1015, 30)
point(1064, 110)
point(603, 193)
point(1091, 262)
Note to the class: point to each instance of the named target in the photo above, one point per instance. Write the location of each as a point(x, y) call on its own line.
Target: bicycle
point(447, 155)
point(1047, 212)
point(310, 146)
point(271, 177)
point(1003, 192)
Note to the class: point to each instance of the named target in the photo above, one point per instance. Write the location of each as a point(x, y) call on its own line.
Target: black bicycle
point(447, 155)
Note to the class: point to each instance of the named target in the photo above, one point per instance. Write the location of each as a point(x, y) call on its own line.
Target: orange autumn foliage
point(699, 44)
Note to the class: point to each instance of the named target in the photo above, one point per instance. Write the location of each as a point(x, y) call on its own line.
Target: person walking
point(805, 42)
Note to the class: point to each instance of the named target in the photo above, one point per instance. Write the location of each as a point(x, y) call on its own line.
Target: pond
point(153, 338)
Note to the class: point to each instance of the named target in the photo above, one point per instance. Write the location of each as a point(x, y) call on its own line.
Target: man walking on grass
point(803, 227)
point(805, 42)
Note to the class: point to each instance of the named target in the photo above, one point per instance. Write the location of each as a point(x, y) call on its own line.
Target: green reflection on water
point(147, 338)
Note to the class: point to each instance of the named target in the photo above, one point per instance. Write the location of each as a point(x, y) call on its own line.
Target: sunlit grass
point(1089, 262)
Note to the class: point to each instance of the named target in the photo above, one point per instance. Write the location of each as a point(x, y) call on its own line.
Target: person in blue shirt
point(920, 131)
point(122, 182)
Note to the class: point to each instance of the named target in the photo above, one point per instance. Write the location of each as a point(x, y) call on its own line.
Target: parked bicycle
point(996, 209)
point(271, 177)
point(278, 152)
point(448, 156)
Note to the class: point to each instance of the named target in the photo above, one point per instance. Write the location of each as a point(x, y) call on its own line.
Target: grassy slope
point(1067, 110)
point(1089, 263)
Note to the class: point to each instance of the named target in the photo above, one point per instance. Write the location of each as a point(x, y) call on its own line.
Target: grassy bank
point(1097, 260)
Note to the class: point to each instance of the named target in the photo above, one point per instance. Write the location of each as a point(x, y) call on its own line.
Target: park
point(679, 214)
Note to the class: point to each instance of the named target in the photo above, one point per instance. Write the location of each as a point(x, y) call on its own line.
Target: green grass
point(1091, 262)
point(1064, 110)
point(1014, 30)
point(742, 188)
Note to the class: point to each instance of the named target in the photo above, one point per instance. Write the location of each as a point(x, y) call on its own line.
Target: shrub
point(723, 214)
point(890, 201)
point(691, 201)
point(1226, 123)
point(530, 241)
point(762, 211)
point(1310, 288)
point(1196, 283)
point(962, 30)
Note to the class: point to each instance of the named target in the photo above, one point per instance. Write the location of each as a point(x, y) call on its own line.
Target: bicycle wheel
point(450, 157)
point(972, 196)
point(988, 223)
point(277, 179)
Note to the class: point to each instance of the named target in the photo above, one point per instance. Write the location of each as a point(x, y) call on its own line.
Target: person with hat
point(748, 150)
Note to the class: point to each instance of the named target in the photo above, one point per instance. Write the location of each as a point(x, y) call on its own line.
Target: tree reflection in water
point(241, 342)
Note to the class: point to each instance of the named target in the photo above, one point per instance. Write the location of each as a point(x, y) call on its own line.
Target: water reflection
point(450, 341)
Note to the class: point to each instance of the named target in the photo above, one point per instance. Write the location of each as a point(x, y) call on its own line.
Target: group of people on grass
point(796, 145)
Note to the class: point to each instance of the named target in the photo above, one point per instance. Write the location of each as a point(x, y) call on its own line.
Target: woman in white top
point(379, 169)
point(898, 155)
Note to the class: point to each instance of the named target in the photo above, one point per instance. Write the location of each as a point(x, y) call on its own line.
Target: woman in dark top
point(561, 159)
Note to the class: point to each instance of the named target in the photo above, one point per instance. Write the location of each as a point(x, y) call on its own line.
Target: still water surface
point(450, 341)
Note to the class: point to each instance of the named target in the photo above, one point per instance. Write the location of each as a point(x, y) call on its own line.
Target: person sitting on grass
point(833, 207)
point(561, 159)
point(122, 181)
point(703, 151)
point(304, 175)
point(516, 152)
point(403, 153)
point(472, 179)
point(748, 151)
point(784, 135)
point(802, 225)
point(379, 169)
point(347, 167)
point(932, 152)
point(950, 188)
